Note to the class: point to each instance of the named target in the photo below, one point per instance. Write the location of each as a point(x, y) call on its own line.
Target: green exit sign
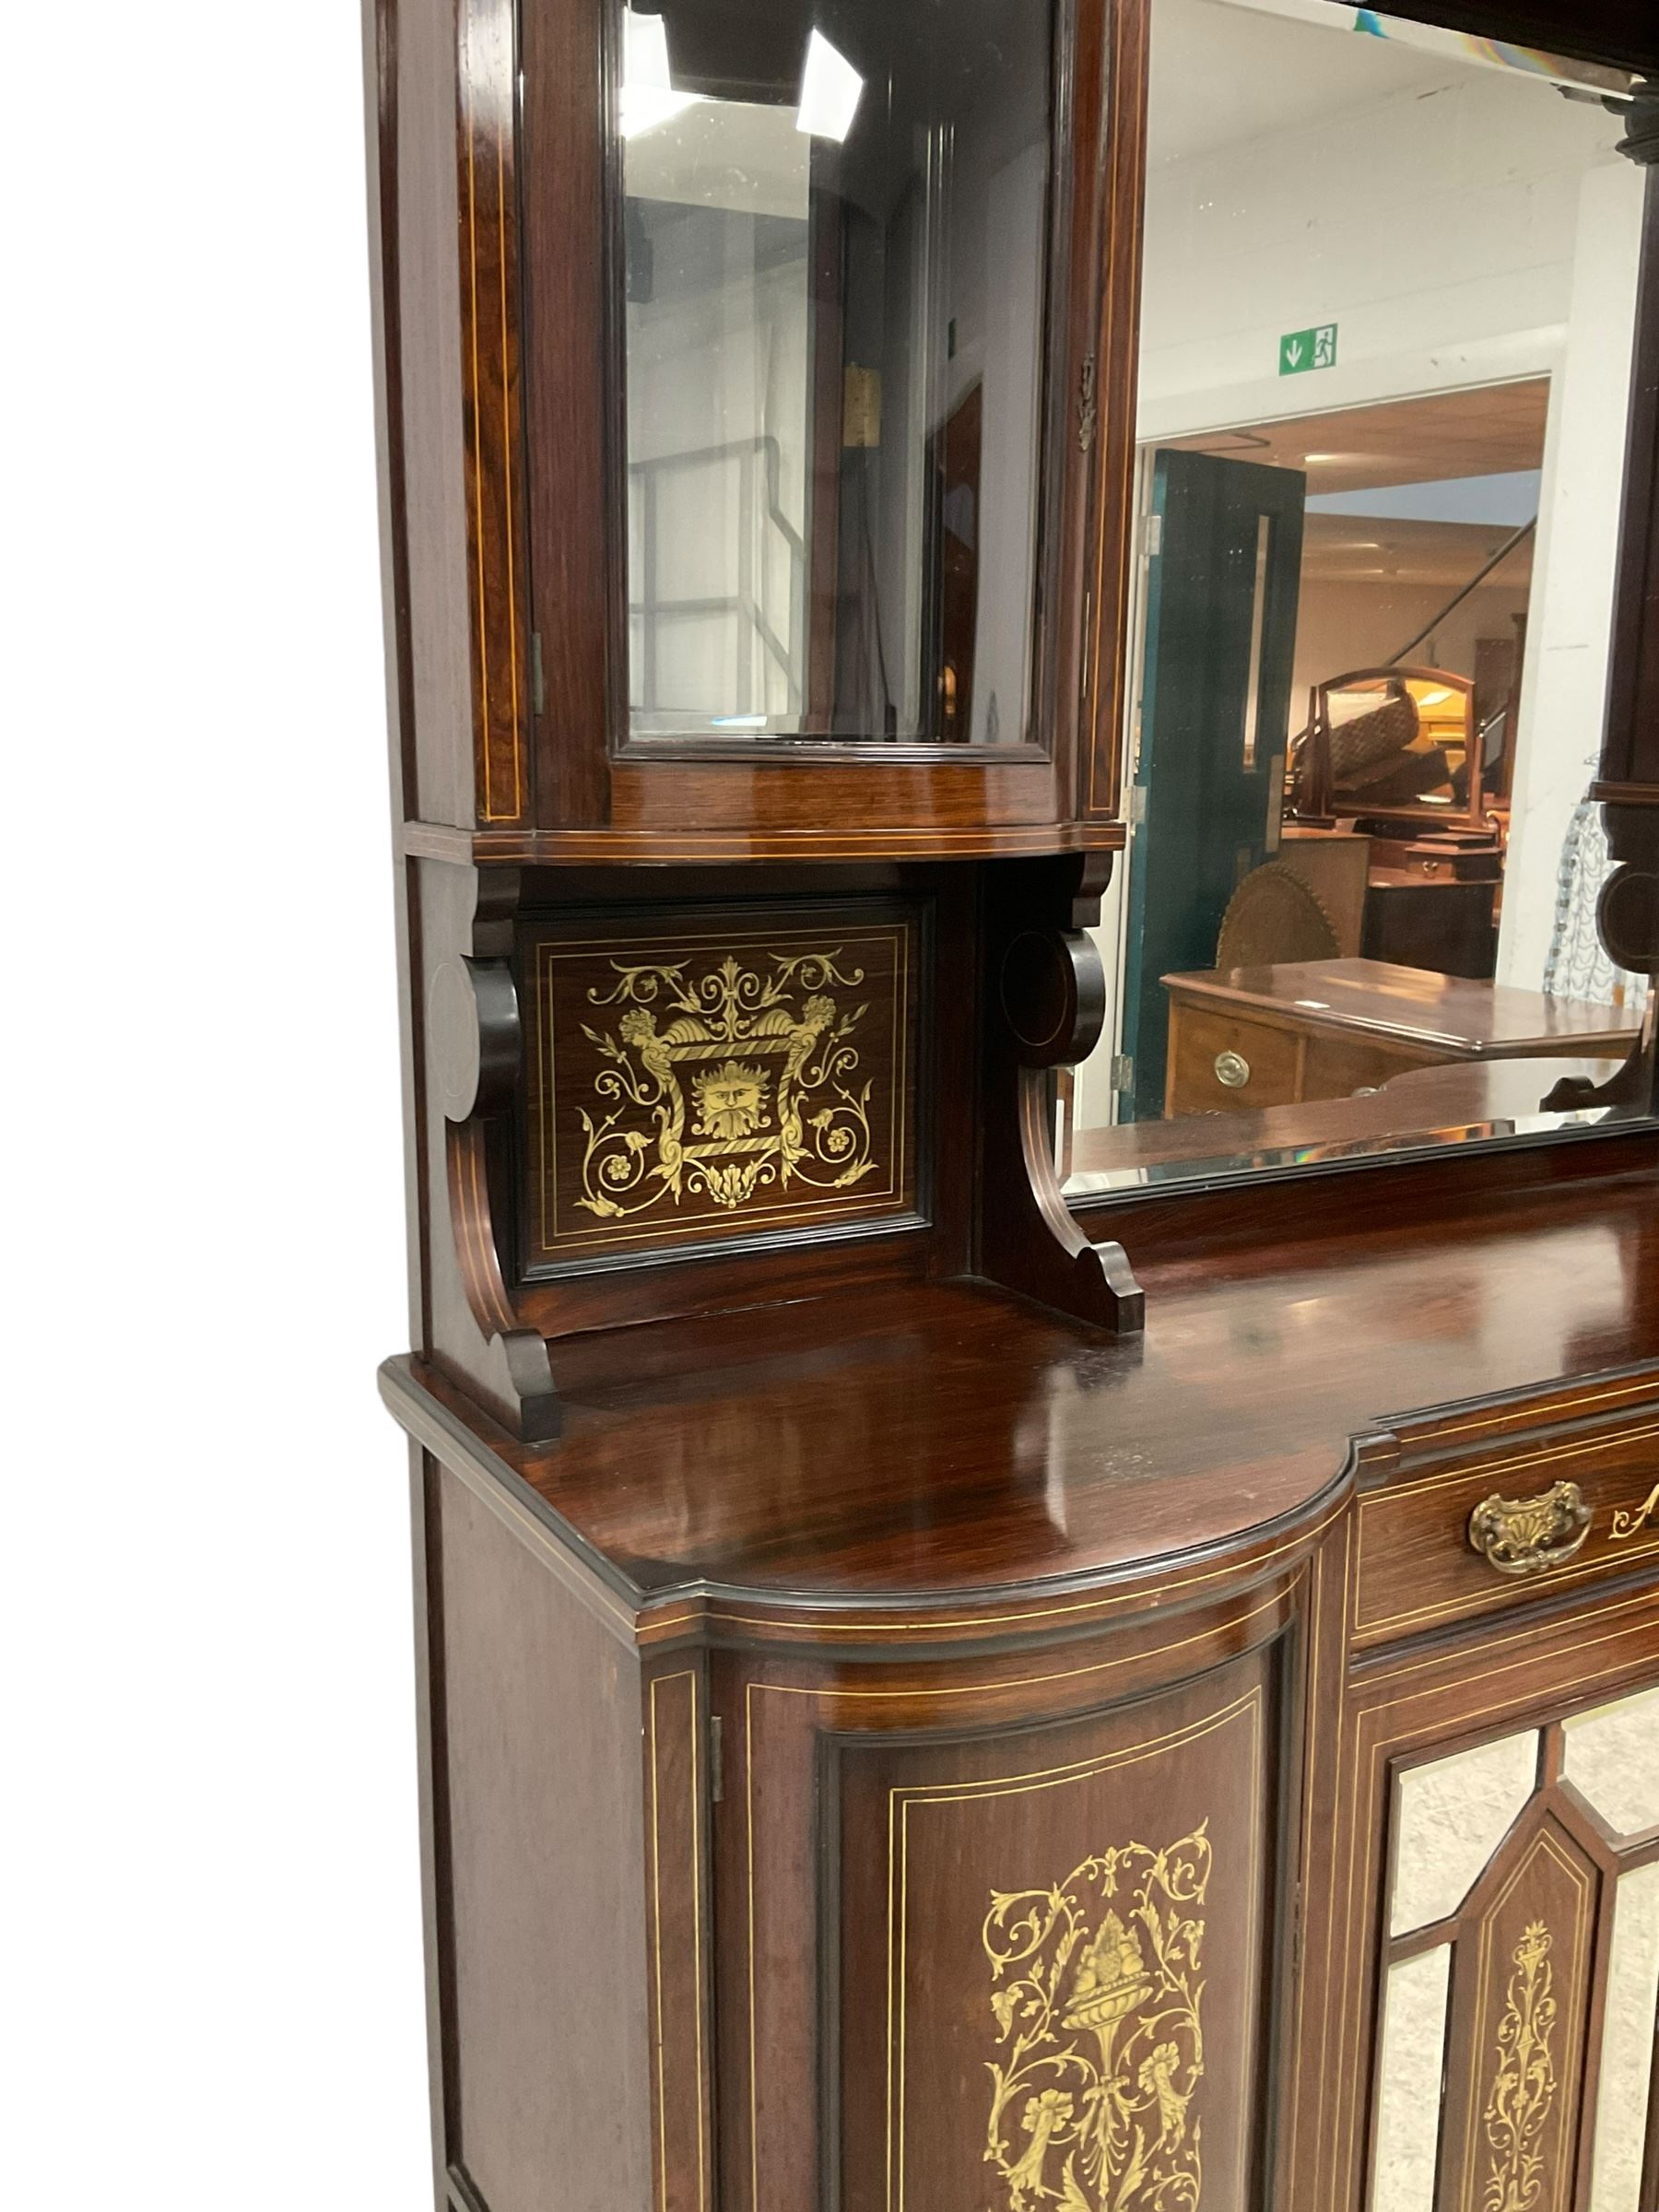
point(1300, 350)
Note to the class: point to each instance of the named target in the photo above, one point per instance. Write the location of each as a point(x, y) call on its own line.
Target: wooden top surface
point(926, 1442)
point(1446, 1014)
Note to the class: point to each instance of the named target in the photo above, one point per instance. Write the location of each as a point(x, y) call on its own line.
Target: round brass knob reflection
point(1232, 1069)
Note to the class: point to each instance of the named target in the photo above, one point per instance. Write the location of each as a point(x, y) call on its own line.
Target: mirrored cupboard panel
point(1516, 2040)
point(1389, 328)
point(836, 216)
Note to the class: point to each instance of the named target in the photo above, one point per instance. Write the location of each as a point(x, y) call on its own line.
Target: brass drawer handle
point(1529, 1535)
point(1232, 1069)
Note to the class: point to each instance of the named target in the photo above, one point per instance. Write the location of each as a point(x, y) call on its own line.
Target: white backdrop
point(212, 1973)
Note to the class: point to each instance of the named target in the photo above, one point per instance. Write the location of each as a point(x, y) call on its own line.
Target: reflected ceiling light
point(831, 92)
point(648, 94)
point(1321, 460)
point(1434, 699)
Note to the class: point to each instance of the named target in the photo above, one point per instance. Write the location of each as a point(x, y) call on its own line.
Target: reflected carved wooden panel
point(1069, 1926)
point(706, 1075)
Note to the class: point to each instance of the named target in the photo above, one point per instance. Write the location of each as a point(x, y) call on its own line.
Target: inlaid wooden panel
point(704, 1075)
point(1520, 2026)
point(1051, 1974)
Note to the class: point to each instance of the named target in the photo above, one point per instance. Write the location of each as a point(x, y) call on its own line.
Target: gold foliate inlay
point(1096, 1998)
point(1524, 2085)
point(1628, 1520)
point(774, 1074)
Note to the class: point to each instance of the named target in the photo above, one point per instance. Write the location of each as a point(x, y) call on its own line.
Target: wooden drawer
point(1417, 1570)
point(1337, 1067)
point(1270, 1057)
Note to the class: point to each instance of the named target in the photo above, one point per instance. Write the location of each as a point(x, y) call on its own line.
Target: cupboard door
point(1007, 1965)
point(1522, 1970)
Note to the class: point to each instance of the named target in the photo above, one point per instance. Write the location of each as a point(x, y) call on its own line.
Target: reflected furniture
point(928, 1683)
point(1398, 753)
point(1245, 1038)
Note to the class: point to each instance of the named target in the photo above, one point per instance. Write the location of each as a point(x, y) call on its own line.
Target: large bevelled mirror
point(1387, 336)
point(835, 219)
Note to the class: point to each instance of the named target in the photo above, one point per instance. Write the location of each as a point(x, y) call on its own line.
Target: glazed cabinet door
point(1477, 2017)
point(1521, 1970)
point(1003, 1943)
point(829, 294)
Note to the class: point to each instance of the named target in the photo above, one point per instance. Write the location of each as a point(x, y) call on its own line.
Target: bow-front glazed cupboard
point(990, 1639)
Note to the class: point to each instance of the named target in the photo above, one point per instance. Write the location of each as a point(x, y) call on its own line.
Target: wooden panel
point(1336, 1067)
point(489, 345)
point(1520, 2025)
point(680, 1940)
point(429, 337)
point(707, 1073)
point(1069, 1929)
point(1198, 1038)
point(545, 1871)
point(1418, 1571)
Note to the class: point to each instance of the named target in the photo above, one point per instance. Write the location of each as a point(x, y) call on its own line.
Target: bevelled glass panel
point(835, 222)
point(1388, 331)
point(1452, 1815)
point(1621, 2107)
point(1408, 2083)
point(1611, 1756)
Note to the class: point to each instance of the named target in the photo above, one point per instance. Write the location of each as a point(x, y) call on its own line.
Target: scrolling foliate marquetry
point(1524, 2084)
point(705, 1083)
point(1096, 1998)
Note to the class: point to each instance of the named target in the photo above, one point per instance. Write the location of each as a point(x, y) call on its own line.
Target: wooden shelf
point(932, 1445)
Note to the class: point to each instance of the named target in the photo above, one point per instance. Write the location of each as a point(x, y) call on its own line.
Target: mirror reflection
point(835, 217)
point(1390, 288)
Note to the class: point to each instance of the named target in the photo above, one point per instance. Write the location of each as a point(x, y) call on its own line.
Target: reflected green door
point(1215, 717)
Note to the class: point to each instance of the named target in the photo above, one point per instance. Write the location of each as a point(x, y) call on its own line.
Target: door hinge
point(1295, 1930)
point(1152, 535)
point(716, 1758)
point(1137, 803)
point(538, 696)
point(1088, 404)
point(1123, 1071)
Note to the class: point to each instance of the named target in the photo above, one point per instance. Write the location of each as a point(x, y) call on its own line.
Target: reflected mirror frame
point(1064, 435)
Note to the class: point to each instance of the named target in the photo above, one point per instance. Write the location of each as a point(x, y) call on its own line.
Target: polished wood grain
point(1448, 1016)
point(1117, 229)
point(498, 560)
point(545, 1874)
point(907, 1447)
point(570, 222)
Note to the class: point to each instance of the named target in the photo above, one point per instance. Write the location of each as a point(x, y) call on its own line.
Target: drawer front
point(1206, 1047)
point(1337, 1067)
point(1505, 1527)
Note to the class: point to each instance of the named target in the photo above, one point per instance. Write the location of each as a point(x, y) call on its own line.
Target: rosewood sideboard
point(943, 1691)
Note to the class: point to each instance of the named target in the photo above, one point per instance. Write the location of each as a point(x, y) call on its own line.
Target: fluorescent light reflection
point(831, 92)
point(648, 97)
